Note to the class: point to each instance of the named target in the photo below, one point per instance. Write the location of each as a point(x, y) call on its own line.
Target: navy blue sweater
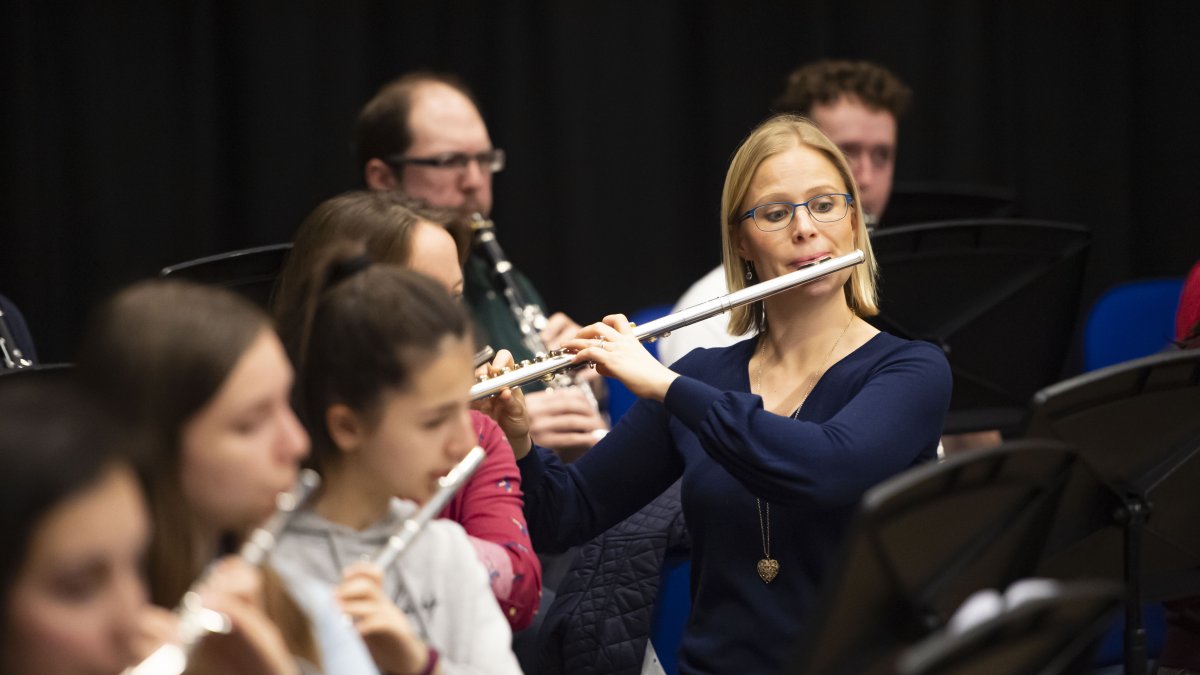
point(872, 415)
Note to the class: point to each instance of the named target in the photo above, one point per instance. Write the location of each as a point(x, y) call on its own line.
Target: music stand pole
point(1133, 517)
point(1136, 424)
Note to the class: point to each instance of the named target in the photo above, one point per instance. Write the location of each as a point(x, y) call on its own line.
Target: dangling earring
point(749, 271)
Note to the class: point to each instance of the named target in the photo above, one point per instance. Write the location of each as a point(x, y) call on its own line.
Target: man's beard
point(472, 205)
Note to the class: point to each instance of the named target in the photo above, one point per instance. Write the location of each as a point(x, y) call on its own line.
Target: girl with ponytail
point(384, 370)
point(396, 231)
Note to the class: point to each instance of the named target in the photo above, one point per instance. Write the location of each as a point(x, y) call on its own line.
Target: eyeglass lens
point(823, 209)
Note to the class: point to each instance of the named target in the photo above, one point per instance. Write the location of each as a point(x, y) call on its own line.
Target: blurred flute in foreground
point(559, 360)
point(449, 484)
point(195, 621)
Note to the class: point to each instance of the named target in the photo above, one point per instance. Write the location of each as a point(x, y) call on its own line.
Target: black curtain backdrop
point(134, 135)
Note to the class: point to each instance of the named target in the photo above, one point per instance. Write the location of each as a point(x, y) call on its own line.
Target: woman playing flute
point(776, 437)
point(199, 376)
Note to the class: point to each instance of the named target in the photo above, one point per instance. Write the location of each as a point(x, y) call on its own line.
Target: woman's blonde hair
point(776, 135)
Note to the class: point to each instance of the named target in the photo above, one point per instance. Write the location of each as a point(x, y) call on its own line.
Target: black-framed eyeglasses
point(823, 209)
point(491, 161)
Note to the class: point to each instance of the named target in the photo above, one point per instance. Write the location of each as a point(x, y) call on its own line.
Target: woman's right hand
point(508, 407)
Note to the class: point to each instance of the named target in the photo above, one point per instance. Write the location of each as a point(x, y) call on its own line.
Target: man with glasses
point(857, 105)
point(423, 134)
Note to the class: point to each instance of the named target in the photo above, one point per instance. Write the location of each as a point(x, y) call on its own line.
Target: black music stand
point(1138, 425)
point(40, 372)
point(251, 271)
point(1000, 297)
point(923, 542)
point(926, 202)
point(1046, 636)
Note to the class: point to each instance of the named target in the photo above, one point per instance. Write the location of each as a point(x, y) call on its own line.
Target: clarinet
point(551, 364)
point(11, 357)
point(528, 315)
point(196, 621)
point(449, 484)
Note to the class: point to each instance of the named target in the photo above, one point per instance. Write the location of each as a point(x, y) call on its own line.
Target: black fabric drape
point(140, 134)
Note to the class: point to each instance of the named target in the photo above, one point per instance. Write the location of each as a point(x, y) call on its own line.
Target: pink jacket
point(490, 508)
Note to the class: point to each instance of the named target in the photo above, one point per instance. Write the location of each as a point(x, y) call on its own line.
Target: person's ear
point(379, 176)
point(346, 427)
point(739, 245)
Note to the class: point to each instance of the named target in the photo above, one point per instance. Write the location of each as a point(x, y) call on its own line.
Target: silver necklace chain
point(764, 523)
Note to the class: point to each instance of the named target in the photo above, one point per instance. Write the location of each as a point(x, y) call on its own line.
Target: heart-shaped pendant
point(767, 569)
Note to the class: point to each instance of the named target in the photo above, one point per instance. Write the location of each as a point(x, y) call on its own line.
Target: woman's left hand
point(611, 345)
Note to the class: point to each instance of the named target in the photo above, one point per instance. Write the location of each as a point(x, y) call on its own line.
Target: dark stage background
point(136, 135)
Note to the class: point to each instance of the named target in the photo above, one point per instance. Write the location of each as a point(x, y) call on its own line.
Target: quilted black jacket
point(600, 620)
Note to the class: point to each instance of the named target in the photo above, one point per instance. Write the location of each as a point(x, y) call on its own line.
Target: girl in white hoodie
point(384, 370)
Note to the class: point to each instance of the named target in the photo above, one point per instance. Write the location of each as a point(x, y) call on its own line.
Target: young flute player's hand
point(254, 643)
point(387, 632)
point(156, 627)
point(508, 408)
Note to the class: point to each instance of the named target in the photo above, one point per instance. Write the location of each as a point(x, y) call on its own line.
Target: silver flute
point(528, 315)
point(560, 360)
point(195, 620)
point(448, 486)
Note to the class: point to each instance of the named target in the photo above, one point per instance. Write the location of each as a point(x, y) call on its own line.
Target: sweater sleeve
point(489, 508)
point(567, 505)
point(482, 640)
point(883, 428)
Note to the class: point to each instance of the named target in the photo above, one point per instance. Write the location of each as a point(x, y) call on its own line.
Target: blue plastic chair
point(620, 399)
point(1130, 321)
point(671, 612)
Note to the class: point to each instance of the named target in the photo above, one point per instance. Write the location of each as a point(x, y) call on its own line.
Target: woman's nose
point(294, 441)
point(128, 604)
point(464, 440)
point(803, 225)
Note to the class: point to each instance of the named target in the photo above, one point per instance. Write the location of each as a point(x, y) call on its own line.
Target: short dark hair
point(826, 81)
point(382, 128)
